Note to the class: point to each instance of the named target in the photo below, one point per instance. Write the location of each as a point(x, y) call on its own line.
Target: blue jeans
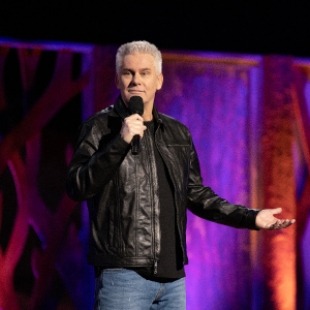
point(123, 289)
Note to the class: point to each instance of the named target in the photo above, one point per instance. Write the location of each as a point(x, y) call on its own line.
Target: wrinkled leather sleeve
point(100, 151)
point(205, 203)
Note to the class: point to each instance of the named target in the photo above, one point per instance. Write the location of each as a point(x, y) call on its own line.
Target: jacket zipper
point(176, 209)
point(149, 141)
point(155, 266)
point(155, 257)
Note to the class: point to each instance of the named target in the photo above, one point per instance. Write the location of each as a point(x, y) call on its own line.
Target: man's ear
point(160, 81)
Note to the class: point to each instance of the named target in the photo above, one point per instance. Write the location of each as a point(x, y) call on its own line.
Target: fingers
point(265, 219)
point(276, 210)
point(132, 125)
point(279, 224)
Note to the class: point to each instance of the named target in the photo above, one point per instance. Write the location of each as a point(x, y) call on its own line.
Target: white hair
point(141, 46)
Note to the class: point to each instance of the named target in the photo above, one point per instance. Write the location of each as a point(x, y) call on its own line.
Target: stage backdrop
point(249, 116)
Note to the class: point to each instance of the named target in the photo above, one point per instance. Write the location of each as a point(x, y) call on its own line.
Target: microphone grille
point(135, 105)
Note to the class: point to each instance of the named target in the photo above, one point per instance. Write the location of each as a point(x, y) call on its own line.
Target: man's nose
point(136, 78)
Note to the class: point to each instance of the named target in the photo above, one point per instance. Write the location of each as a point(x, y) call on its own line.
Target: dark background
point(241, 27)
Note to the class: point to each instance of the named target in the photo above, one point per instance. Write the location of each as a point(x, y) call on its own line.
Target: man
point(138, 198)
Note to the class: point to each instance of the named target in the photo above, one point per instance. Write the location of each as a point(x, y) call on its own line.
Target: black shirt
point(170, 264)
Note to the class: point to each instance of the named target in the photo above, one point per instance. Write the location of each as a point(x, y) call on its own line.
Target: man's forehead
point(139, 61)
point(139, 57)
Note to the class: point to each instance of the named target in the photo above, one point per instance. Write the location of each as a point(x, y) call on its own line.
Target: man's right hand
point(132, 125)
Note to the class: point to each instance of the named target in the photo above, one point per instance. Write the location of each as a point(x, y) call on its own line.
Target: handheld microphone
point(135, 105)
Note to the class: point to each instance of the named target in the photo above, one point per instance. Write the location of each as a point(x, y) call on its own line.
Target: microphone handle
point(135, 145)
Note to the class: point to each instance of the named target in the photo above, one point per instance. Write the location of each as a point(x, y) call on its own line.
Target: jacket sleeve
point(97, 157)
point(205, 203)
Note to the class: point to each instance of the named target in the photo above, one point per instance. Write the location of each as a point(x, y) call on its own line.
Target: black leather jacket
point(121, 189)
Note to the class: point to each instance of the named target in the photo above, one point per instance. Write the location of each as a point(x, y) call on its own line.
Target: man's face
point(138, 77)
